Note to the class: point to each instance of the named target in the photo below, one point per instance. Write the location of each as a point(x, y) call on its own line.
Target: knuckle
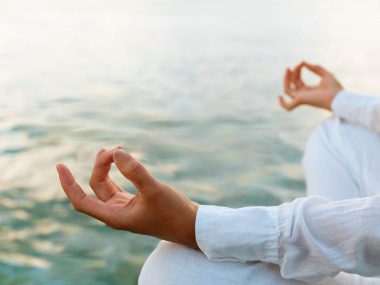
point(91, 183)
point(78, 208)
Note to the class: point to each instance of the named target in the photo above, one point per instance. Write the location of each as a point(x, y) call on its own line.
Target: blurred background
point(188, 87)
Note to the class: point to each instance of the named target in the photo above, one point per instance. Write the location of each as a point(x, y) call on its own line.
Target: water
point(189, 88)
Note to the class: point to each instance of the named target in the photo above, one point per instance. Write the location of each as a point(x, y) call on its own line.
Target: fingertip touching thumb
point(132, 169)
point(120, 156)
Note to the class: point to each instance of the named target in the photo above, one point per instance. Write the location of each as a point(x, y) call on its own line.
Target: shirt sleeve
point(311, 239)
point(358, 109)
point(245, 234)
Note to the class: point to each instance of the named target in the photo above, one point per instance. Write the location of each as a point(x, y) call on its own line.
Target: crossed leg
point(340, 162)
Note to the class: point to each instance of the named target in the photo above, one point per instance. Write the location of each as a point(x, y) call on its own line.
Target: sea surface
point(188, 87)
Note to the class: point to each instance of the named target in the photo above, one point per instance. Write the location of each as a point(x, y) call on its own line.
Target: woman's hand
point(158, 209)
point(320, 96)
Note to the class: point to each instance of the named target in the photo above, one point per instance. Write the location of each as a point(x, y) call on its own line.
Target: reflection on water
point(188, 88)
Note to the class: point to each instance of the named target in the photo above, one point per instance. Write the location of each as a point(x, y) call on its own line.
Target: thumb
point(133, 170)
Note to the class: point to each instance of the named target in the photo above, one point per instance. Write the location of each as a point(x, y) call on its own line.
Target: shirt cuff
point(245, 234)
point(356, 108)
point(343, 103)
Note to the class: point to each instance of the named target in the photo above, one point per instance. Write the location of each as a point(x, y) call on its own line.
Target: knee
point(325, 136)
point(169, 264)
point(173, 264)
point(153, 266)
point(327, 128)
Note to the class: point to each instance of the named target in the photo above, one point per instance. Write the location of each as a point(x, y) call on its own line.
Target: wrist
point(331, 97)
point(190, 237)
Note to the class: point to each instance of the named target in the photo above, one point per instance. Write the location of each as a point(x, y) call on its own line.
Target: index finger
point(296, 76)
point(316, 69)
point(287, 79)
point(102, 165)
point(99, 180)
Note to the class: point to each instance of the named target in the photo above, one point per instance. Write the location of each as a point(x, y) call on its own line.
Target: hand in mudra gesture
point(320, 95)
point(158, 209)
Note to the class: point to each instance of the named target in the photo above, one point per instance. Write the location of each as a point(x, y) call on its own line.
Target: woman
point(332, 238)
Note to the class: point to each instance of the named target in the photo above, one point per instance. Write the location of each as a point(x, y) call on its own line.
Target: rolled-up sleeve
point(245, 234)
point(310, 238)
point(320, 237)
point(359, 109)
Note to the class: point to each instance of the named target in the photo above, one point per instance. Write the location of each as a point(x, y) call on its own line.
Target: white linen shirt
point(310, 238)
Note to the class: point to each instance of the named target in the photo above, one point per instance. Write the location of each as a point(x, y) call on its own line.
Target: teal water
point(189, 88)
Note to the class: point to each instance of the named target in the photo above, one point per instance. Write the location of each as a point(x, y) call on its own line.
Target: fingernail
point(118, 147)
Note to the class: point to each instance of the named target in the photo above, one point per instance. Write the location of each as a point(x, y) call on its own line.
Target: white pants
point(341, 161)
